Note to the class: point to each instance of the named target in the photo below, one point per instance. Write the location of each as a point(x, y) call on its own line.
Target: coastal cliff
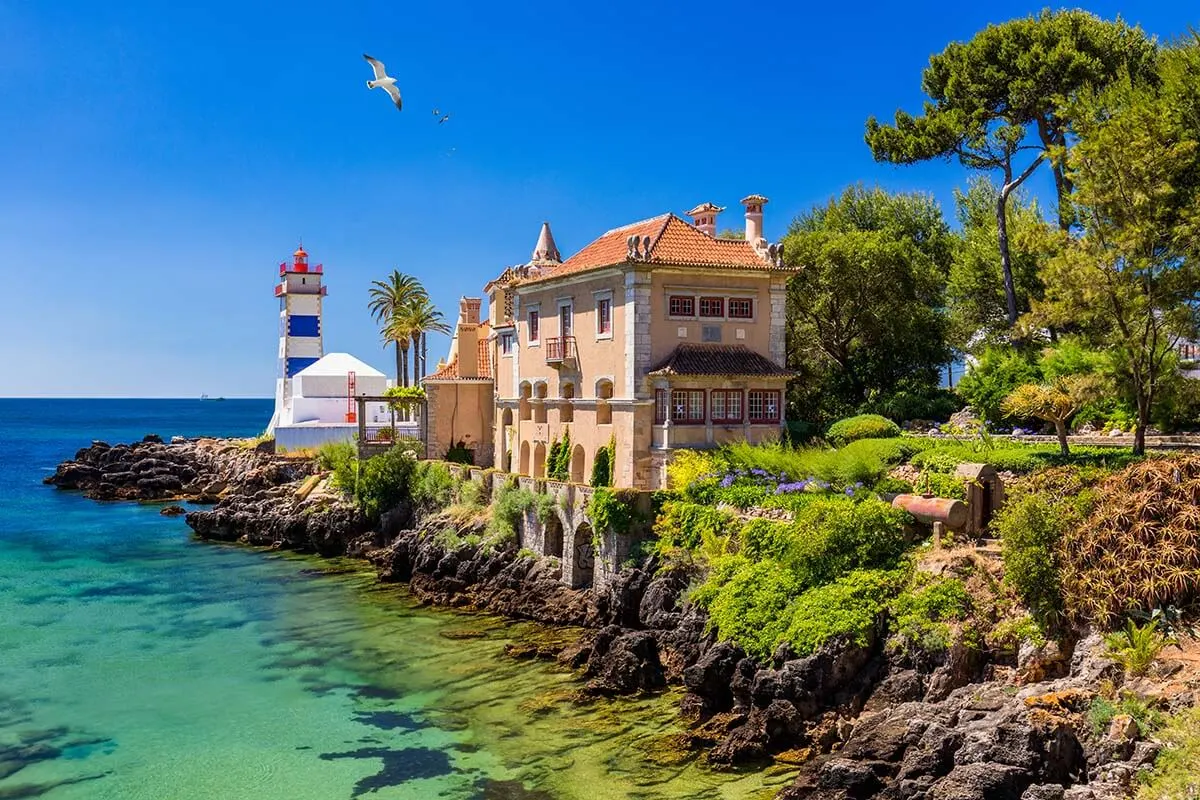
point(860, 719)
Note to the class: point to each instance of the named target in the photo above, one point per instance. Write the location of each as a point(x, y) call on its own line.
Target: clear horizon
point(167, 160)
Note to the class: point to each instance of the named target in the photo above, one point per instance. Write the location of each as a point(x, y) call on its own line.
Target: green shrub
point(602, 466)
point(924, 611)
point(383, 481)
point(431, 486)
point(558, 461)
point(611, 510)
point(940, 484)
point(509, 504)
point(917, 402)
point(830, 537)
point(749, 607)
point(1176, 774)
point(864, 426)
point(1136, 647)
point(998, 371)
point(1102, 710)
point(340, 458)
point(459, 453)
point(682, 525)
point(1030, 529)
point(849, 607)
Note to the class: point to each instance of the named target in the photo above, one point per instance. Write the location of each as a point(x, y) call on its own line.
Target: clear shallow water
point(138, 663)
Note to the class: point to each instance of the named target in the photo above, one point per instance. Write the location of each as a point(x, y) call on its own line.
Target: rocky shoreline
point(862, 720)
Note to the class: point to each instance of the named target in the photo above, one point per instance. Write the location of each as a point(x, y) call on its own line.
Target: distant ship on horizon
point(206, 397)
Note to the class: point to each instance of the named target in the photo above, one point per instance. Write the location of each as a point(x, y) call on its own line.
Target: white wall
point(335, 385)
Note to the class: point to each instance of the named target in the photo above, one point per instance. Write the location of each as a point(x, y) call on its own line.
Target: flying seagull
point(437, 112)
point(382, 80)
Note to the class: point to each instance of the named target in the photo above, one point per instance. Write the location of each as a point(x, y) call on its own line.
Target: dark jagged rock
point(475, 576)
point(151, 470)
point(875, 720)
point(172, 511)
point(624, 662)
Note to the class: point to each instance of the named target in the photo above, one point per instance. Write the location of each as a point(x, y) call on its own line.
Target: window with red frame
point(681, 306)
point(741, 308)
point(687, 406)
point(533, 326)
point(661, 405)
point(726, 405)
point(763, 406)
point(712, 306)
point(604, 315)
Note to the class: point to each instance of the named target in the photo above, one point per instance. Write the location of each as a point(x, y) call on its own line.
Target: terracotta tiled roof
point(718, 359)
point(449, 372)
point(673, 242)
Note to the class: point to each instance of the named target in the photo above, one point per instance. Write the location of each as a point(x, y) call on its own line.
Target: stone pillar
point(637, 331)
point(778, 336)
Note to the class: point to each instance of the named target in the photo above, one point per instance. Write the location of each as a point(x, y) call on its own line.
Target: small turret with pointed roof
point(546, 251)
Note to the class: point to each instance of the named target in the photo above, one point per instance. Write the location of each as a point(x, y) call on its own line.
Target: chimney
point(704, 217)
point(468, 310)
point(467, 337)
point(754, 218)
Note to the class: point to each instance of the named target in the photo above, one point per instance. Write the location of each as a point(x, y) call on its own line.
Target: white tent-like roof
point(340, 365)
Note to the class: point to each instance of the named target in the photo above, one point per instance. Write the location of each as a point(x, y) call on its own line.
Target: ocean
point(137, 662)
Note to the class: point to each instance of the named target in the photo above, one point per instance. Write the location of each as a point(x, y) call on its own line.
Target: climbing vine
point(602, 467)
point(558, 464)
point(610, 509)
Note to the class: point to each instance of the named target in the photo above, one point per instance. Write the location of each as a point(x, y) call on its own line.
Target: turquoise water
point(136, 662)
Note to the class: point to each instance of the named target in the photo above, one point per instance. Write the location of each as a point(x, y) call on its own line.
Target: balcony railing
point(560, 349)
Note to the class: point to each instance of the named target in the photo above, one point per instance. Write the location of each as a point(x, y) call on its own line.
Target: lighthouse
point(301, 341)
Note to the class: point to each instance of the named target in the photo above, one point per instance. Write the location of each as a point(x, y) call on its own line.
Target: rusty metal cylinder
point(951, 513)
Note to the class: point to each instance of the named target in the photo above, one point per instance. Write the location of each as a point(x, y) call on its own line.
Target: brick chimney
point(467, 336)
point(754, 217)
point(704, 217)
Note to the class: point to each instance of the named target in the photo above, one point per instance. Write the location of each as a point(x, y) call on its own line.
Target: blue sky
point(157, 161)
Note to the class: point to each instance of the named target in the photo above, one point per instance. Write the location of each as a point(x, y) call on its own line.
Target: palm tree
point(424, 318)
point(388, 299)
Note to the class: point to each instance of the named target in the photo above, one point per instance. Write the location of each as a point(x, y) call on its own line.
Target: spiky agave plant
point(1140, 545)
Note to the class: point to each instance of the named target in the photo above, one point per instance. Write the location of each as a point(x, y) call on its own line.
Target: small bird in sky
point(437, 112)
point(383, 80)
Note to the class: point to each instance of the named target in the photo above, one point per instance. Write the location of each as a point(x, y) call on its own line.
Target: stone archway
point(539, 460)
point(524, 462)
point(583, 557)
point(552, 542)
point(577, 457)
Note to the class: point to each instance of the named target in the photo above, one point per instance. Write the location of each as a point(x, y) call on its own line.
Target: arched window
point(604, 392)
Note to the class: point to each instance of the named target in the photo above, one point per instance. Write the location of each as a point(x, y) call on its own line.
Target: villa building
point(656, 336)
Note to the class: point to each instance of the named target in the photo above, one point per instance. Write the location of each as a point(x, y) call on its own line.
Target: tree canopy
point(999, 103)
point(865, 311)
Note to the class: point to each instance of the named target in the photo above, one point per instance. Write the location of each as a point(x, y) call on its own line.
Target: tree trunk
point(1060, 427)
point(424, 354)
point(1143, 422)
point(399, 364)
point(417, 359)
point(1010, 289)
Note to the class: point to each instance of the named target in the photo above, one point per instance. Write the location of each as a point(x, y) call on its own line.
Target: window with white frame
point(741, 308)
point(763, 405)
point(687, 406)
point(507, 341)
point(681, 305)
point(661, 405)
point(712, 306)
point(726, 405)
